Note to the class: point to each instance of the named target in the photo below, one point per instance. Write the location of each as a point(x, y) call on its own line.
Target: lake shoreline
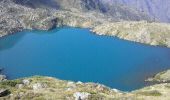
point(152, 33)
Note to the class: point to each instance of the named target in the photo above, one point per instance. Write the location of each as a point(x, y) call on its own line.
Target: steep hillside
point(159, 9)
point(116, 10)
point(141, 31)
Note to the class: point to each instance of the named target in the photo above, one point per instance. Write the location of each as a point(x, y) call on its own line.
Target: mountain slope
point(159, 9)
point(116, 10)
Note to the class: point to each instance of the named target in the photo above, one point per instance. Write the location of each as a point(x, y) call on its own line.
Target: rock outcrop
point(161, 77)
point(3, 92)
point(2, 78)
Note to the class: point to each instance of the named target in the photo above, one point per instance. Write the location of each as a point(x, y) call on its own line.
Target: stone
point(69, 89)
point(79, 82)
point(3, 92)
point(101, 87)
point(2, 78)
point(39, 86)
point(19, 86)
point(26, 82)
point(116, 90)
point(71, 85)
point(81, 95)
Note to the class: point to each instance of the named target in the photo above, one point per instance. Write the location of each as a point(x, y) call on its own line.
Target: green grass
point(11, 83)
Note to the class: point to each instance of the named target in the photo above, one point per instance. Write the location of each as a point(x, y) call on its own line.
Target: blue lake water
point(78, 55)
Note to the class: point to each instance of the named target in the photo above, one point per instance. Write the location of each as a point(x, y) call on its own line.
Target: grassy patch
point(150, 93)
point(11, 83)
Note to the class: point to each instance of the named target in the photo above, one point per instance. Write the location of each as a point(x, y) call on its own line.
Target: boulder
point(3, 92)
point(19, 86)
point(81, 95)
point(2, 78)
point(26, 82)
point(39, 86)
point(71, 85)
point(79, 83)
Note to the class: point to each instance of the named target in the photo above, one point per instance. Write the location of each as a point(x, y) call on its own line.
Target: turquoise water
point(76, 54)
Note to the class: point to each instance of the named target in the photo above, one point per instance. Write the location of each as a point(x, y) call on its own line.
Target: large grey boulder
point(81, 95)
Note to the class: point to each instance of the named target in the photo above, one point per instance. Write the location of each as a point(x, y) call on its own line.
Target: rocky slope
point(47, 88)
point(142, 31)
point(158, 9)
point(116, 10)
point(16, 17)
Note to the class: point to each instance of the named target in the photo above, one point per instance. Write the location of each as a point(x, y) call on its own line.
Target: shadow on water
point(11, 41)
point(45, 32)
point(14, 39)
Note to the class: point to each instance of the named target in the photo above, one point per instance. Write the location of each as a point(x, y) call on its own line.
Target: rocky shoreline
point(157, 34)
point(48, 88)
point(15, 18)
